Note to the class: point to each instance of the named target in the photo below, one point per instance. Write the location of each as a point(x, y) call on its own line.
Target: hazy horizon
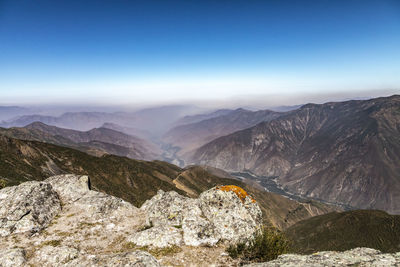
point(244, 101)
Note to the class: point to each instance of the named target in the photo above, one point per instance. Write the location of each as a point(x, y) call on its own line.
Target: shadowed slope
point(134, 180)
point(347, 230)
point(97, 141)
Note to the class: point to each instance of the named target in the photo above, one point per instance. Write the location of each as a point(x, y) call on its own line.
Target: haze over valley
point(344, 153)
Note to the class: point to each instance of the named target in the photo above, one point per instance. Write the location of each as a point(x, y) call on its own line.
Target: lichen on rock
point(240, 192)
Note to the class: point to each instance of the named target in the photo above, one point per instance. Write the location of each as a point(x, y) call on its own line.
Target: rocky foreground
point(61, 222)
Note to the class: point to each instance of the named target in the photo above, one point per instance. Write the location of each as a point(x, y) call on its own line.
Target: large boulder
point(167, 208)
point(28, 207)
point(75, 190)
point(234, 214)
point(224, 214)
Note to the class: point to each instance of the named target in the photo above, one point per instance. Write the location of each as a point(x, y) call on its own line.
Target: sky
point(129, 52)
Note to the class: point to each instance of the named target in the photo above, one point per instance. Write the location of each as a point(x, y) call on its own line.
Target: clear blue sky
point(132, 51)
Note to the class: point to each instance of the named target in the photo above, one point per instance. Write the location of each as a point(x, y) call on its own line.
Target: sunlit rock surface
point(215, 216)
point(28, 207)
point(62, 222)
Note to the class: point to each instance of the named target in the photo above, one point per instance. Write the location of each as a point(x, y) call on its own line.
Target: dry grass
point(53, 243)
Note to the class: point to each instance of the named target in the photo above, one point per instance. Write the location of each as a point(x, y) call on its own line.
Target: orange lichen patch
point(237, 190)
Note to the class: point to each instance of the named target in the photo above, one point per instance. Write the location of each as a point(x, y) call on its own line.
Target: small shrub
point(54, 243)
point(129, 245)
point(266, 245)
point(3, 183)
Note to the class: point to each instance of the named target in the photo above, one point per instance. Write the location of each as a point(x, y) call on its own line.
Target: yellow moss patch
point(240, 192)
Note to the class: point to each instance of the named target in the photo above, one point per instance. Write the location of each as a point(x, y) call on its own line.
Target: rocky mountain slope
point(61, 222)
point(346, 152)
point(97, 141)
point(341, 231)
point(191, 136)
point(136, 181)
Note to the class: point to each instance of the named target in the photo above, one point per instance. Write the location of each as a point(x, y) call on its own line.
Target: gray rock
point(75, 189)
point(70, 187)
point(167, 208)
point(215, 216)
point(89, 226)
point(234, 220)
point(28, 207)
point(12, 257)
point(197, 230)
point(55, 256)
point(97, 205)
point(160, 236)
point(354, 257)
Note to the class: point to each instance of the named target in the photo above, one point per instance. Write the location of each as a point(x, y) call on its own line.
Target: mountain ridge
point(329, 151)
point(191, 136)
point(96, 141)
point(133, 180)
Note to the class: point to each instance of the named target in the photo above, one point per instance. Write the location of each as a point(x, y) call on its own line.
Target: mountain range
point(136, 181)
point(96, 141)
point(8, 112)
point(189, 137)
point(346, 152)
point(155, 120)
